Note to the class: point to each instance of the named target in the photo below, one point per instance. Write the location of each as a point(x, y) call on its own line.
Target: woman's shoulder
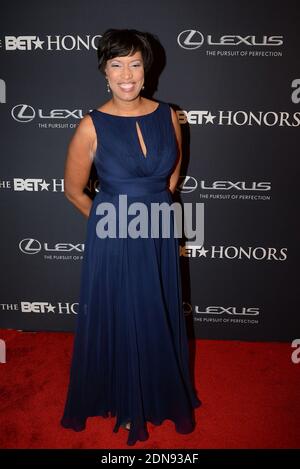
point(152, 105)
point(105, 107)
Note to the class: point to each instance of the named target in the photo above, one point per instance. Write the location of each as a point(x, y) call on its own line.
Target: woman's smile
point(127, 87)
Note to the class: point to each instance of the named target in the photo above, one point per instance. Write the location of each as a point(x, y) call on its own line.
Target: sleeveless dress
point(130, 352)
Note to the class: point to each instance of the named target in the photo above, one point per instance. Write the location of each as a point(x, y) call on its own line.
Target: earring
point(143, 87)
point(108, 88)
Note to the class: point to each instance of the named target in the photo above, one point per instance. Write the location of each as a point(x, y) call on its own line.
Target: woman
point(130, 356)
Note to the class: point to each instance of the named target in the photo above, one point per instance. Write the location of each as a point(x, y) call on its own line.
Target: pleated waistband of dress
point(134, 186)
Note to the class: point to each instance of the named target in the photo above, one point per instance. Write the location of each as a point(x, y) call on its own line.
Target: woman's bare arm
point(176, 173)
point(78, 164)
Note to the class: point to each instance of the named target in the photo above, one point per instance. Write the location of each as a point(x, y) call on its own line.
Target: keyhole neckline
point(137, 127)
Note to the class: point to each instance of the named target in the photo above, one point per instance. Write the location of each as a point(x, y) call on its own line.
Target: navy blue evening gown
point(130, 353)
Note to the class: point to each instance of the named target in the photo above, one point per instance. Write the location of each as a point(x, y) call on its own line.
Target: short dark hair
point(122, 42)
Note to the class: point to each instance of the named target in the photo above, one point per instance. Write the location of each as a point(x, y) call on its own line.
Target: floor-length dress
point(130, 353)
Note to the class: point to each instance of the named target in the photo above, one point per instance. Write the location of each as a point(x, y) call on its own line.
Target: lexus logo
point(30, 246)
point(188, 184)
point(190, 39)
point(23, 113)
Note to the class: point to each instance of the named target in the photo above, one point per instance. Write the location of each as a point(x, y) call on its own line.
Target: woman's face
point(126, 75)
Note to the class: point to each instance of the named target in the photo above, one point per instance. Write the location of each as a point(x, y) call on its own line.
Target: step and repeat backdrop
point(231, 71)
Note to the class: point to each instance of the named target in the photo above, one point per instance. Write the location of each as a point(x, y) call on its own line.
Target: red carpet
point(249, 393)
